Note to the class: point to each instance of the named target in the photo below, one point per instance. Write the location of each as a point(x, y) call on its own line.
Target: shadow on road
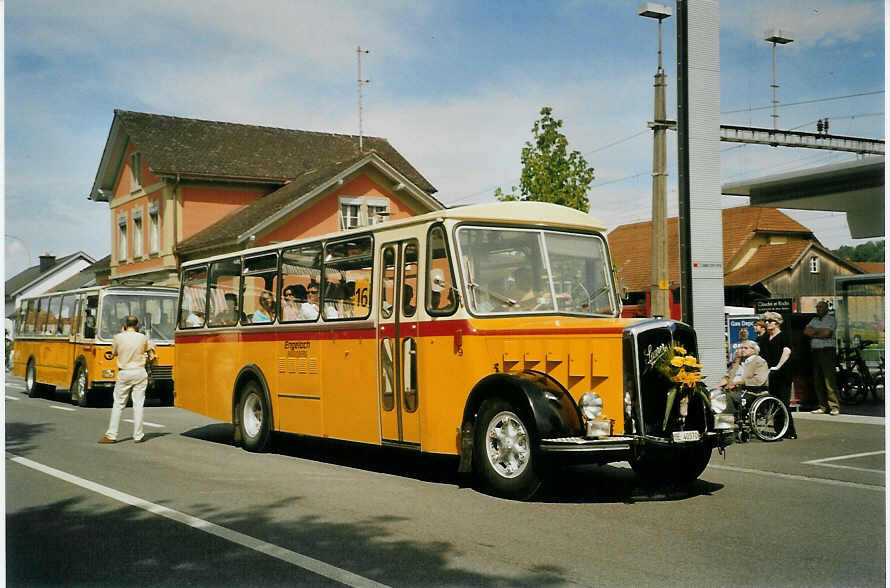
point(579, 484)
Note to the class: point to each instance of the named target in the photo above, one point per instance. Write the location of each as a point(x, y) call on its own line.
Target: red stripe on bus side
point(438, 328)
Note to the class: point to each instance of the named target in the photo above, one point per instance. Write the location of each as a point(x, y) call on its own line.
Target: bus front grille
point(161, 372)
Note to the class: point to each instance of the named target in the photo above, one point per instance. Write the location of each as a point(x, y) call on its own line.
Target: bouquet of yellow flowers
point(684, 373)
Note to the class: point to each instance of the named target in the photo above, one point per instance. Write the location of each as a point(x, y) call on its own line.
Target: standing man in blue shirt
point(821, 330)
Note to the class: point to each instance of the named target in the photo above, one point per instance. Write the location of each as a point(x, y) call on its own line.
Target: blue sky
point(455, 87)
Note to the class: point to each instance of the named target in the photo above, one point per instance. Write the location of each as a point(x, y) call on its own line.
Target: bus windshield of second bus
point(521, 271)
point(156, 314)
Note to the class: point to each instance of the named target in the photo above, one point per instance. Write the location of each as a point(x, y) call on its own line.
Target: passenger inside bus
point(195, 318)
point(266, 312)
point(228, 315)
point(409, 305)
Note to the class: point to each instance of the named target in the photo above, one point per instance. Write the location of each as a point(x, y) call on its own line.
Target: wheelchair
point(756, 412)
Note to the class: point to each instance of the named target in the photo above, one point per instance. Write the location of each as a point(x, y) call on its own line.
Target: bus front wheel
point(254, 418)
point(31, 386)
point(503, 452)
point(79, 393)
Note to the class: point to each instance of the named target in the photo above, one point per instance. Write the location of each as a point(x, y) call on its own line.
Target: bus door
point(397, 344)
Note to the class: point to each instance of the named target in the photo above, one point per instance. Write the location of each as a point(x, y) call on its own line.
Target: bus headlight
point(719, 400)
point(591, 405)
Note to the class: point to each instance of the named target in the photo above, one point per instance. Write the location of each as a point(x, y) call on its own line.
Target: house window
point(154, 227)
point(135, 171)
point(122, 238)
point(137, 233)
point(350, 213)
point(378, 211)
point(814, 265)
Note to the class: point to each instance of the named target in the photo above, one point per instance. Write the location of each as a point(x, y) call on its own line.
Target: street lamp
point(780, 37)
point(659, 288)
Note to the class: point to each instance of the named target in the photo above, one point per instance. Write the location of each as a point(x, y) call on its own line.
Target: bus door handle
point(459, 342)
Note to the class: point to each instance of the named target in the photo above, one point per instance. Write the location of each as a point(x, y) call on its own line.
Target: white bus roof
point(533, 214)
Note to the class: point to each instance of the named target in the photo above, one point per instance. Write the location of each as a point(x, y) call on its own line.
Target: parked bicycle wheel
point(850, 387)
point(769, 418)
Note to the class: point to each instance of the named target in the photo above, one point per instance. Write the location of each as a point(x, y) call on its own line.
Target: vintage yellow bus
point(488, 332)
point(63, 339)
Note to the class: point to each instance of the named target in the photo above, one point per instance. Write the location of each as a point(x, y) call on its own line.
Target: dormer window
point(814, 265)
point(359, 212)
point(135, 171)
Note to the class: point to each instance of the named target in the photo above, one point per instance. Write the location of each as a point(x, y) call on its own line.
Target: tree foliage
point(870, 251)
point(549, 172)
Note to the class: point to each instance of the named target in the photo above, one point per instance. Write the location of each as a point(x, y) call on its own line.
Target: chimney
point(47, 261)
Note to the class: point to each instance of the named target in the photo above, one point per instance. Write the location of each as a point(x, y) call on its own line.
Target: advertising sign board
point(739, 328)
point(780, 305)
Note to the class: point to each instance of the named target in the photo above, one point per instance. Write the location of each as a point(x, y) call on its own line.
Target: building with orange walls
point(181, 188)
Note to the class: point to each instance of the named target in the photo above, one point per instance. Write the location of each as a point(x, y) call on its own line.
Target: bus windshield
point(522, 271)
point(155, 312)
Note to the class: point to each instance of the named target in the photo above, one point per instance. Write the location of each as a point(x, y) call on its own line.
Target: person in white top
point(752, 371)
point(821, 330)
point(132, 349)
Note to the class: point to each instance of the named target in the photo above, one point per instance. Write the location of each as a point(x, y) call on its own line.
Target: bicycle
point(855, 380)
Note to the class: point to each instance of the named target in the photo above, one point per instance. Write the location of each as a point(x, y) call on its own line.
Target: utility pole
point(361, 82)
point(659, 289)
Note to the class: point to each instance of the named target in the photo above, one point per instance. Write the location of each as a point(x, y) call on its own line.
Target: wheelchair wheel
point(769, 418)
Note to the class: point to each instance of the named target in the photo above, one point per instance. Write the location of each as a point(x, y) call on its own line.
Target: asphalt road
point(189, 508)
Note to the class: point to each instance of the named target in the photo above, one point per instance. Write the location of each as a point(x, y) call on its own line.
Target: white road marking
point(147, 424)
point(11, 397)
point(66, 408)
point(822, 462)
point(302, 561)
point(799, 478)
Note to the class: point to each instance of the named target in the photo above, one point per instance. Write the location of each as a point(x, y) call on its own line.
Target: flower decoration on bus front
point(683, 371)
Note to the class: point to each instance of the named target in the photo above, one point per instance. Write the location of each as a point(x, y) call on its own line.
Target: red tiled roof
point(871, 267)
point(632, 250)
point(768, 260)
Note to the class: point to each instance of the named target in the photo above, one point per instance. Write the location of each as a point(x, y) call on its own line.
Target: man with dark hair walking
point(132, 349)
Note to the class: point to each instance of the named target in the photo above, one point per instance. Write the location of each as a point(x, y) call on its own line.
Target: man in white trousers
point(132, 349)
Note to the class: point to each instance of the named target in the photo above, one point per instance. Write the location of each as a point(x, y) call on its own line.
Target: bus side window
point(66, 314)
point(300, 275)
point(440, 293)
point(347, 272)
point(260, 285)
point(30, 317)
point(194, 289)
point(225, 289)
point(42, 304)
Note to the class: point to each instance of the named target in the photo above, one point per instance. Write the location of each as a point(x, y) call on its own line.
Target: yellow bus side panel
point(349, 393)
point(191, 392)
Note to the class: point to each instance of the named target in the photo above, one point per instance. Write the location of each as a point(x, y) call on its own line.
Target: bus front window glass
point(66, 314)
point(505, 270)
point(154, 312)
point(194, 287)
point(260, 287)
point(580, 273)
point(300, 278)
point(225, 290)
point(347, 279)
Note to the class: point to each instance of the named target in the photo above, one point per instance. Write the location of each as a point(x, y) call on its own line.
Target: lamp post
point(659, 288)
point(780, 37)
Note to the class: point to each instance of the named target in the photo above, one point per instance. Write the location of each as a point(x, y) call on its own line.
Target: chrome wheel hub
point(507, 445)
point(252, 416)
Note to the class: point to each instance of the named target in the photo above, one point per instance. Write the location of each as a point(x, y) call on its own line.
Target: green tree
point(549, 172)
point(869, 251)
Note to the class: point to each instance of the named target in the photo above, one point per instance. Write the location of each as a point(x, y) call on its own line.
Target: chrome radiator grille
point(161, 372)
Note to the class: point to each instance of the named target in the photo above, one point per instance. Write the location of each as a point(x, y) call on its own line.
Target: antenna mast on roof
point(361, 82)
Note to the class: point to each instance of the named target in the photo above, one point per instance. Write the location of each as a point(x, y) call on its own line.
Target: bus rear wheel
point(79, 393)
point(254, 418)
point(503, 454)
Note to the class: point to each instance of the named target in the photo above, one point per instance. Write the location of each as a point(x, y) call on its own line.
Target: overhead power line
point(753, 108)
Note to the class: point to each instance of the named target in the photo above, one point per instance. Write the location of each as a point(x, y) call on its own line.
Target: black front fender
point(550, 407)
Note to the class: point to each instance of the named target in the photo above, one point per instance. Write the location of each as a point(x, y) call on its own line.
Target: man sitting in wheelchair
point(744, 392)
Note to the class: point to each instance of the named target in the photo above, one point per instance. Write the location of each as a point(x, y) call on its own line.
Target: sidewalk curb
point(841, 418)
